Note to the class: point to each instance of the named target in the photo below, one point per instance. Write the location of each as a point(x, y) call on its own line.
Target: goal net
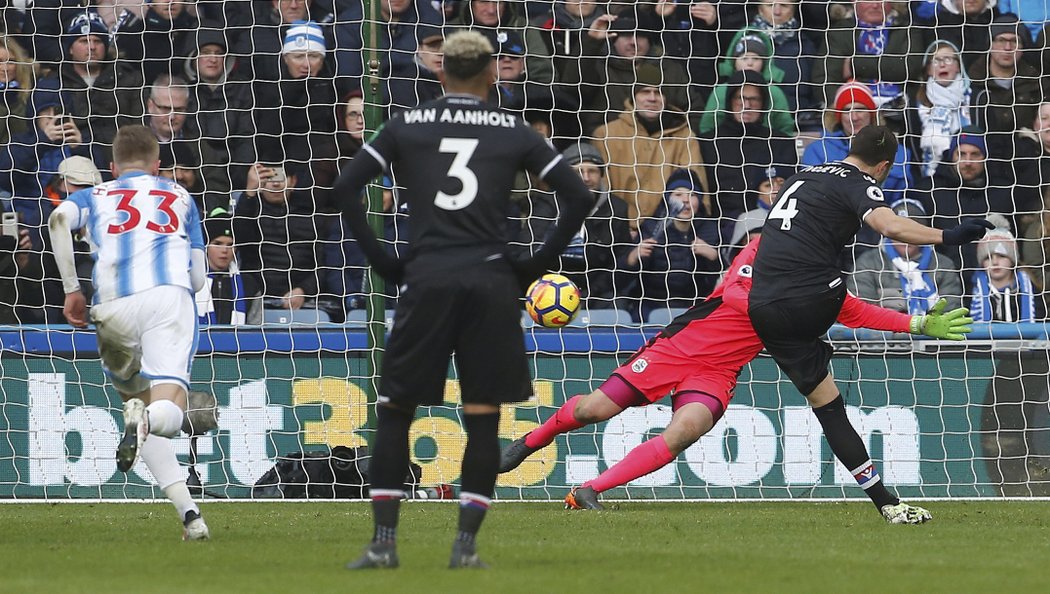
point(685, 119)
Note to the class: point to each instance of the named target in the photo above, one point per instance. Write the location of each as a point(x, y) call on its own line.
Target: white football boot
point(903, 513)
point(136, 430)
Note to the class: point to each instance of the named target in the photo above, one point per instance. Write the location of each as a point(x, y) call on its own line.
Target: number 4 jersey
point(141, 230)
point(819, 210)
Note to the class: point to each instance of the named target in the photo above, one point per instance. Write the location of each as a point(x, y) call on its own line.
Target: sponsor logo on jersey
point(639, 365)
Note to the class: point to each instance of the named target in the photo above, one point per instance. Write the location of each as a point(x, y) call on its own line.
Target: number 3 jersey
point(141, 230)
point(818, 211)
point(456, 159)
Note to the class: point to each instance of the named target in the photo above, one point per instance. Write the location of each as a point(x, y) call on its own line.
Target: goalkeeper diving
point(697, 359)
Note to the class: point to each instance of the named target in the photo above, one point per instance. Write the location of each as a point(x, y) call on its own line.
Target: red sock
point(647, 457)
point(563, 421)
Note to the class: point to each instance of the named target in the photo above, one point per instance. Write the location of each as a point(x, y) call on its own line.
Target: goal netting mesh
point(684, 117)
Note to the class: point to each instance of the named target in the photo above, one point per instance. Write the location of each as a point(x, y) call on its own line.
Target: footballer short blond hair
point(466, 54)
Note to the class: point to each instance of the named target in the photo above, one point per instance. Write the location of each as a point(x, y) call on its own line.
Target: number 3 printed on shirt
point(464, 149)
point(786, 207)
point(134, 216)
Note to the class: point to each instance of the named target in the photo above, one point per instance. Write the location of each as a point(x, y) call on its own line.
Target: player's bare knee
point(592, 408)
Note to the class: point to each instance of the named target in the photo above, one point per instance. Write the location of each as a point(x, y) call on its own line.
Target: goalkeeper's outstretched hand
point(953, 325)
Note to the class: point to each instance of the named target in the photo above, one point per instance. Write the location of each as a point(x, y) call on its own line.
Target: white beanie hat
point(998, 241)
point(304, 36)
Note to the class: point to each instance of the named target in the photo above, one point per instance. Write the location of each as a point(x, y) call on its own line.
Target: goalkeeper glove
point(937, 324)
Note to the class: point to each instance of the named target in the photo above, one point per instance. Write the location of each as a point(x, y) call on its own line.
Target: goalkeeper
point(697, 359)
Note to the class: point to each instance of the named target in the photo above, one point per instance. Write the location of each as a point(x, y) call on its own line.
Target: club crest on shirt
point(639, 365)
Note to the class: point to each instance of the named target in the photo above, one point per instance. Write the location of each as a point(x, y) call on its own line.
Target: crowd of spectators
point(685, 119)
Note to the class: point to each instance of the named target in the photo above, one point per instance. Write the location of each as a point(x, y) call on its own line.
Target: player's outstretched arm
point(577, 201)
point(58, 224)
point(935, 323)
point(348, 187)
point(905, 230)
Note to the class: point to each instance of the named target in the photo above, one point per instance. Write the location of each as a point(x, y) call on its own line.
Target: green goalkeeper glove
point(937, 324)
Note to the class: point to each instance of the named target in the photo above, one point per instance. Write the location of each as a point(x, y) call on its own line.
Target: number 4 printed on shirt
point(785, 208)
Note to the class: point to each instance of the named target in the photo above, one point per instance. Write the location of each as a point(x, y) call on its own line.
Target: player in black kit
point(798, 289)
point(456, 158)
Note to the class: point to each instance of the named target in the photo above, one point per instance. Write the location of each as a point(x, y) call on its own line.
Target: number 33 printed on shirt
point(134, 215)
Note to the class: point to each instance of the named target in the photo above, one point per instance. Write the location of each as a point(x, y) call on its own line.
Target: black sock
point(849, 448)
point(387, 470)
point(480, 467)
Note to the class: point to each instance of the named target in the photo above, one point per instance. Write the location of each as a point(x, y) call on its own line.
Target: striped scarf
point(917, 284)
point(1011, 304)
point(206, 304)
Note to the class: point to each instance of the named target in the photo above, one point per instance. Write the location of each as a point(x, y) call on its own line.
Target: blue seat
point(664, 315)
point(299, 317)
point(360, 317)
point(601, 317)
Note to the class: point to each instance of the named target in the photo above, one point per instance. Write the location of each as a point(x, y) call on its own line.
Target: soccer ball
point(552, 301)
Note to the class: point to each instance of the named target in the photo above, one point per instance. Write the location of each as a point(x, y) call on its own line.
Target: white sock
point(160, 458)
point(165, 418)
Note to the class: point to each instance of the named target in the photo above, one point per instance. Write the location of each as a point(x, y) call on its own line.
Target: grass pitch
point(532, 547)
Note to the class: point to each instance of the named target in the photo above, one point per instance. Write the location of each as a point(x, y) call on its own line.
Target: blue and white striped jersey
point(141, 230)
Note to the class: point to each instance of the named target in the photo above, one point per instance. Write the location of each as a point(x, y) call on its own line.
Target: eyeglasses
point(945, 60)
point(1004, 40)
point(169, 109)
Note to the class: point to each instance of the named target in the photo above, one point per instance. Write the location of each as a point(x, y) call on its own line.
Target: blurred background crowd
point(684, 118)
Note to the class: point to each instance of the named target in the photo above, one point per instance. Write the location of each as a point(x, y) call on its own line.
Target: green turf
point(637, 547)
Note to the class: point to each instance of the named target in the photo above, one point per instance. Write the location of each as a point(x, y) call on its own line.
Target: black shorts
point(475, 314)
point(792, 331)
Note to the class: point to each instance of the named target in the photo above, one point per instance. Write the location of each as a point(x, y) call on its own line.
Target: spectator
point(645, 144)
point(99, 90)
point(345, 264)
point(598, 254)
point(793, 54)
point(32, 158)
point(263, 47)
point(698, 33)
point(1006, 90)
point(741, 145)
point(14, 259)
point(683, 264)
point(876, 46)
point(167, 115)
point(903, 277)
point(178, 164)
point(422, 85)
point(1032, 167)
point(964, 190)
point(752, 50)
point(504, 16)
point(397, 39)
point(1002, 292)
point(1034, 15)
point(295, 117)
point(854, 109)
point(277, 237)
point(222, 299)
point(43, 27)
point(220, 109)
point(965, 24)
point(942, 103)
point(350, 115)
point(514, 91)
point(16, 84)
point(616, 76)
point(157, 39)
point(42, 289)
point(766, 184)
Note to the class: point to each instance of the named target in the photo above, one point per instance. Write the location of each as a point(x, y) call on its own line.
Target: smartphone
point(278, 175)
point(10, 224)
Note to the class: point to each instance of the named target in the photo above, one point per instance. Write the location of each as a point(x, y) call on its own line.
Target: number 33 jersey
point(818, 211)
point(141, 230)
point(456, 159)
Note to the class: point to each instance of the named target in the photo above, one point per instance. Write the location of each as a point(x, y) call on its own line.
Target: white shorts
point(148, 338)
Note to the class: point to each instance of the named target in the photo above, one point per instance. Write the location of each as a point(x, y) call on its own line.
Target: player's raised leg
point(695, 415)
point(849, 448)
point(578, 411)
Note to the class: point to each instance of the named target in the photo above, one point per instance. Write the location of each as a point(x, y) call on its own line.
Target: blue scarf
point(917, 285)
point(981, 308)
point(240, 303)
